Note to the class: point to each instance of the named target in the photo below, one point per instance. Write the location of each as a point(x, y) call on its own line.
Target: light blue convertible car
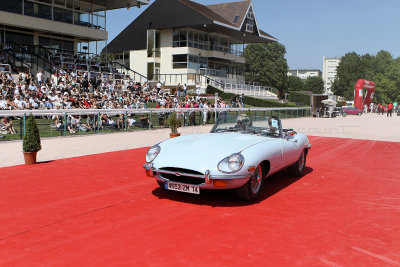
point(239, 153)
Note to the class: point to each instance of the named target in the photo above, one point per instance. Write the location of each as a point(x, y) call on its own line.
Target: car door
point(290, 147)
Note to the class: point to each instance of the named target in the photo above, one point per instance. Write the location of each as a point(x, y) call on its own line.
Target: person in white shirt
point(184, 90)
point(159, 86)
point(198, 89)
point(3, 103)
point(39, 77)
point(18, 102)
point(205, 105)
point(32, 86)
point(33, 103)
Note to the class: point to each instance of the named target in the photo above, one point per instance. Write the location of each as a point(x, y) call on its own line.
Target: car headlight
point(231, 164)
point(152, 153)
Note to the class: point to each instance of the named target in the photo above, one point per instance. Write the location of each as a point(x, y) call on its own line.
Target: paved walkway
point(367, 126)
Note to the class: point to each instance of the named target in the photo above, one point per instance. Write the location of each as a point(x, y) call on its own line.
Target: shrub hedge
point(252, 101)
point(300, 98)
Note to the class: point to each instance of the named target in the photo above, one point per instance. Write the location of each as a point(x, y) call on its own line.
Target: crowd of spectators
point(71, 91)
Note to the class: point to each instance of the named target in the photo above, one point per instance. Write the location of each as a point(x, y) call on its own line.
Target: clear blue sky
point(311, 29)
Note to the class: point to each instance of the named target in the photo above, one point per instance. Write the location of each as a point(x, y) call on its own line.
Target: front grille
point(182, 179)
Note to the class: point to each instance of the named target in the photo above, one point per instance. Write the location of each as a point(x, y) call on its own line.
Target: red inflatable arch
point(359, 100)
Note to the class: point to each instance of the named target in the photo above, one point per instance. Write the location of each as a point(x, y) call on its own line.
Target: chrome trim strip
point(210, 177)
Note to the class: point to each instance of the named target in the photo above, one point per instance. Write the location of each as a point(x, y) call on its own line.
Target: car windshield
point(242, 123)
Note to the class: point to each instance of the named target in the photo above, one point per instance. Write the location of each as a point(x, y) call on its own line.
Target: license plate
point(187, 188)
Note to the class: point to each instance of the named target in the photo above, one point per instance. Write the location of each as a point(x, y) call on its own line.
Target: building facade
point(329, 72)
point(76, 25)
point(304, 74)
point(172, 38)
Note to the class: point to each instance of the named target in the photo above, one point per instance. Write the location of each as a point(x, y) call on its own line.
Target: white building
point(181, 41)
point(329, 72)
point(304, 74)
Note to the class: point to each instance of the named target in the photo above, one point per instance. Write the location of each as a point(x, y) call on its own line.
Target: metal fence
point(72, 122)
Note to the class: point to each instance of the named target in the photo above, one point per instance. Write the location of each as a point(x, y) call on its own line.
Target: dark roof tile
point(230, 10)
point(206, 11)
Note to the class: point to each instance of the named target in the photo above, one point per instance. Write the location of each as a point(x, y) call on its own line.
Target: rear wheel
point(297, 168)
point(252, 189)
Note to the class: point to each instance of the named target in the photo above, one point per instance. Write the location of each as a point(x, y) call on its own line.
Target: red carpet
point(102, 210)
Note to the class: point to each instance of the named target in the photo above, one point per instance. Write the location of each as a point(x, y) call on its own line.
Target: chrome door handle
point(295, 141)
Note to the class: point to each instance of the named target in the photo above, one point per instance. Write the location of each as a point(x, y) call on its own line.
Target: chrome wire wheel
point(256, 180)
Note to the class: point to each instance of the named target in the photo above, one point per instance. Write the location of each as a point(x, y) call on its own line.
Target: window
point(59, 2)
point(236, 19)
point(249, 28)
point(14, 6)
point(153, 43)
point(179, 39)
point(18, 38)
point(38, 10)
point(250, 14)
point(249, 22)
point(63, 15)
point(179, 61)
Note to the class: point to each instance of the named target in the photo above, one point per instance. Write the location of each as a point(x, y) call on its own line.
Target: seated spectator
point(6, 125)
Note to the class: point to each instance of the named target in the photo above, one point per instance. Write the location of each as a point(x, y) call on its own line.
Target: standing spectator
point(383, 108)
point(178, 90)
point(39, 77)
point(389, 109)
point(158, 87)
point(198, 89)
point(184, 90)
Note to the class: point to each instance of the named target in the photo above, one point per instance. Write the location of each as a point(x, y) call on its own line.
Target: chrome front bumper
point(232, 181)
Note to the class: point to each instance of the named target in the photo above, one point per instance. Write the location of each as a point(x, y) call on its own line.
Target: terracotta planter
point(30, 158)
point(173, 135)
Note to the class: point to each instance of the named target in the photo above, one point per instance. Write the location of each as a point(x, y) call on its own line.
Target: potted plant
point(31, 142)
point(174, 124)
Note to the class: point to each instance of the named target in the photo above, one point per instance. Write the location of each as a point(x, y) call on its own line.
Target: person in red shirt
point(389, 110)
point(383, 108)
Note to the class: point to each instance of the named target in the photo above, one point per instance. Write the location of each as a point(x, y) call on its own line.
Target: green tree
point(314, 84)
point(295, 83)
point(351, 68)
point(266, 64)
point(382, 69)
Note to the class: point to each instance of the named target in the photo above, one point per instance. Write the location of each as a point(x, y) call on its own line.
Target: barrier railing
point(71, 122)
point(251, 90)
point(5, 68)
point(189, 79)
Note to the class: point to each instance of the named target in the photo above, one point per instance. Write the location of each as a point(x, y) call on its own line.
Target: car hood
point(203, 152)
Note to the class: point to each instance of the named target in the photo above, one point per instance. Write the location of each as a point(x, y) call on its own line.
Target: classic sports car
point(239, 153)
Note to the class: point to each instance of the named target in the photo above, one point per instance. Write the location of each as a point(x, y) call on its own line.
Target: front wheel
point(252, 189)
point(297, 168)
point(344, 114)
